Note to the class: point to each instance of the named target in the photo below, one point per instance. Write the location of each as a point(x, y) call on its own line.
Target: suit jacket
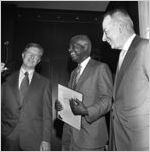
point(130, 115)
point(95, 84)
point(32, 119)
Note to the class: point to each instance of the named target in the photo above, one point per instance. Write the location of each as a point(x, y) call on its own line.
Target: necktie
point(24, 86)
point(76, 76)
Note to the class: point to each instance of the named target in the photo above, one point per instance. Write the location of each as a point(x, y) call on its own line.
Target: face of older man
point(111, 32)
point(78, 51)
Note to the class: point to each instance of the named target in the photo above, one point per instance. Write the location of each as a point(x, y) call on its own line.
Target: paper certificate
point(66, 115)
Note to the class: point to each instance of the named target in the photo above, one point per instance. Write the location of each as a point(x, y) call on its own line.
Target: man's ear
point(23, 55)
point(121, 27)
point(86, 46)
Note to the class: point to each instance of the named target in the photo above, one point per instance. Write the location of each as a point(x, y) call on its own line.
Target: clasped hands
point(77, 107)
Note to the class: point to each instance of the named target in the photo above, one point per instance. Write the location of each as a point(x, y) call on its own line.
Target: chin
point(74, 58)
point(31, 66)
point(112, 46)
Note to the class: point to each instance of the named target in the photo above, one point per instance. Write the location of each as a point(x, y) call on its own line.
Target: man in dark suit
point(95, 83)
point(131, 94)
point(26, 107)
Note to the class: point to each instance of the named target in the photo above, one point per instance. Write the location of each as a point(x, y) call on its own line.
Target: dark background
point(53, 29)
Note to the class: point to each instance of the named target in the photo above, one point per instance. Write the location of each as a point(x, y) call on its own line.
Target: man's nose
point(104, 37)
point(32, 57)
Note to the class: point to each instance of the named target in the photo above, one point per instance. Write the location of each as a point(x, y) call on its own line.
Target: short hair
point(121, 15)
point(36, 45)
point(82, 38)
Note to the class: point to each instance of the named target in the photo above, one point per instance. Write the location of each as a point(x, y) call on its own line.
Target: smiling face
point(79, 50)
point(31, 57)
point(111, 32)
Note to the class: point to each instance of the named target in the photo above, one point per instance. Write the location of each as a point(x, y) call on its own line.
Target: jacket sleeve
point(104, 99)
point(47, 113)
point(146, 48)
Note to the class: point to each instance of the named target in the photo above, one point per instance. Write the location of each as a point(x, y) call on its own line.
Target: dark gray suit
point(31, 122)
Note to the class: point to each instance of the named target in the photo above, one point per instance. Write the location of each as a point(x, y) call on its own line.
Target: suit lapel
point(117, 71)
point(126, 63)
point(32, 87)
point(71, 82)
point(86, 73)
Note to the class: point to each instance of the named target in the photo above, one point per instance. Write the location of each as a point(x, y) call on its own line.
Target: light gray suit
point(130, 114)
point(95, 84)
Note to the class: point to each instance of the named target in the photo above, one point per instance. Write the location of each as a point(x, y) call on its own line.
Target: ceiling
point(64, 5)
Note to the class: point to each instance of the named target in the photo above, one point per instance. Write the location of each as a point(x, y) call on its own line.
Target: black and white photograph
point(75, 75)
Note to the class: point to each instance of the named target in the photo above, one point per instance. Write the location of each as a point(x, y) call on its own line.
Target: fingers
point(77, 102)
point(74, 106)
point(45, 146)
point(3, 68)
point(74, 102)
point(58, 106)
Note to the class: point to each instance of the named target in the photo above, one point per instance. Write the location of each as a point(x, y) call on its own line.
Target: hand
point(45, 146)
point(77, 107)
point(58, 106)
point(3, 68)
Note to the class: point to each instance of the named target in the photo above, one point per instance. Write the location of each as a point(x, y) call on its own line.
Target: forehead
point(34, 50)
point(79, 41)
point(107, 21)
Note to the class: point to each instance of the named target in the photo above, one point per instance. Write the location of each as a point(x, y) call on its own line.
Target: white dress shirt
point(21, 75)
point(124, 50)
point(83, 64)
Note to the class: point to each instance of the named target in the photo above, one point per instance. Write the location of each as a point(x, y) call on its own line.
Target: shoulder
point(11, 79)
point(41, 78)
point(141, 42)
point(99, 64)
point(12, 76)
point(141, 46)
point(144, 41)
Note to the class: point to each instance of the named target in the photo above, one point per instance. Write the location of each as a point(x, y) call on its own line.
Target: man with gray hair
point(95, 83)
point(130, 111)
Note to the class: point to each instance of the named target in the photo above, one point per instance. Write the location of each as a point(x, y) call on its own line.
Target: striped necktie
point(24, 86)
point(76, 76)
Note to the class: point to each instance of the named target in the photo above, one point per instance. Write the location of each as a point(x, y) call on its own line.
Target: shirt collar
point(128, 42)
point(85, 62)
point(30, 72)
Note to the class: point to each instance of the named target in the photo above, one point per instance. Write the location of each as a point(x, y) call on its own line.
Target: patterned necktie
point(24, 86)
point(76, 76)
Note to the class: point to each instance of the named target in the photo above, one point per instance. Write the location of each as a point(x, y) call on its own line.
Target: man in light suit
point(95, 83)
point(131, 94)
point(26, 118)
